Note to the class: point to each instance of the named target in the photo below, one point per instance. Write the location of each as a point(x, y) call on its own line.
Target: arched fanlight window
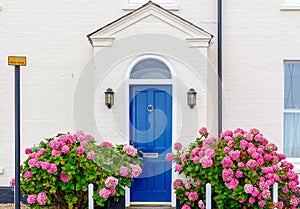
point(150, 69)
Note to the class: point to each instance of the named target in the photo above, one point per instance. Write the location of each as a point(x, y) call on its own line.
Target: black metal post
point(17, 137)
point(220, 90)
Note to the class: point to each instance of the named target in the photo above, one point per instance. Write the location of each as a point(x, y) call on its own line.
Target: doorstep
point(150, 207)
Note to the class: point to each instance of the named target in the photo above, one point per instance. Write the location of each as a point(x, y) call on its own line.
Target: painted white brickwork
point(258, 37)
point(53, 37)
point(255, 46)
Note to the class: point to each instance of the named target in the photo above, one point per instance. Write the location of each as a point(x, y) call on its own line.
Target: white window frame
point(292, 2)
point(290, 5)
point(295, 161)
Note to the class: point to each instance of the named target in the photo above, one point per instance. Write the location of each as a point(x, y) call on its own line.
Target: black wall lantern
point(191, 98)
point(109, 97)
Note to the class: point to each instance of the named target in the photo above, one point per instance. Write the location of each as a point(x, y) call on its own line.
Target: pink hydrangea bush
point(58, 171)
point(242, 168)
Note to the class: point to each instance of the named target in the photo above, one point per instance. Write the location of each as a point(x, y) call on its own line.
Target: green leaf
point(122, 192)
point(78, 187)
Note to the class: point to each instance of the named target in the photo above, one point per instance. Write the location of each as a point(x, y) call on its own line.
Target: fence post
point(275, 192)
point(208, 195)
point(91, 200)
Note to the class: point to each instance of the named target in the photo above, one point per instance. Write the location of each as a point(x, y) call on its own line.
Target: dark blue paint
point(152, 133)
point(17, 138)
point(7, 195)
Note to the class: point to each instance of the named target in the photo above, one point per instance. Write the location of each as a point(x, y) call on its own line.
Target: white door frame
point(171, 82)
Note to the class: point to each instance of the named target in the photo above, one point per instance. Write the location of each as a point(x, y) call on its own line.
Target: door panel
point(151, 131)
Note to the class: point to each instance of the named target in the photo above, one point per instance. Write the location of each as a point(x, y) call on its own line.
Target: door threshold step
point(150, 207)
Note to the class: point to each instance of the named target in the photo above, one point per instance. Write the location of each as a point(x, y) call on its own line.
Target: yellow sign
point(17, 61)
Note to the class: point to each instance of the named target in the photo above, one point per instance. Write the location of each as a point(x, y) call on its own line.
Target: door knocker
point(150, 108)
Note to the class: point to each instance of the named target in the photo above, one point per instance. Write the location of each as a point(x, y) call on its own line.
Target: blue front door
point(151, 131)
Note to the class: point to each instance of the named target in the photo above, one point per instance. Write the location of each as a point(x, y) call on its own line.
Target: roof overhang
point(194, 35)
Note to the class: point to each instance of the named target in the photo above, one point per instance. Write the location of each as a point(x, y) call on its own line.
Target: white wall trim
point(171, 82)
point(131, 7)
point(171, 6)
point(102, 42)
point(151, 10)
point(198, 42)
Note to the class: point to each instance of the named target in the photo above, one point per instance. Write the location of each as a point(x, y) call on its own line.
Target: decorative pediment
point(150, 18)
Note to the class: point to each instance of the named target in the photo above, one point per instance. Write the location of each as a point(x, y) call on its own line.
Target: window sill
point(296, 163)
point(170, 7)
point(290, 7)
point(297, 169)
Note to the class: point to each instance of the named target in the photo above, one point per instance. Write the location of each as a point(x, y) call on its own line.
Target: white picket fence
point(207, 195)
point(91, 200)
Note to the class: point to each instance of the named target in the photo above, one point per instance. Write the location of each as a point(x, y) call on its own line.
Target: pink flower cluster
point(28, 151)
point(12, 182)
point(41, 199)
point(192, 196)
point(136, 170)
point(84, 144)
point(110, 190)
point(111, 182)
point(178, 184)
point(64, 177)
point(203, 154)
point(177, 146)
point(255, 152)
point(206, 161)
point(81, 136)
point(227, 162)
point(130, 150)
point(31, 199)
point(203, 131)
point(35, 155)
point(178, 168)
point(62, 153)
point(28, 175)
point(186, 206)
point(201, 204)
point(91, 155)
point(106, 144)
point(49, 167)
point(64, 143)
point(104, 193)
point(80, 150)
point(123, 171)
point(169, 157)
point(248, 164)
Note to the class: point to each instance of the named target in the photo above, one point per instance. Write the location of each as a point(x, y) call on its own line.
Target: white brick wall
point(258, 36)
point(52, 34)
